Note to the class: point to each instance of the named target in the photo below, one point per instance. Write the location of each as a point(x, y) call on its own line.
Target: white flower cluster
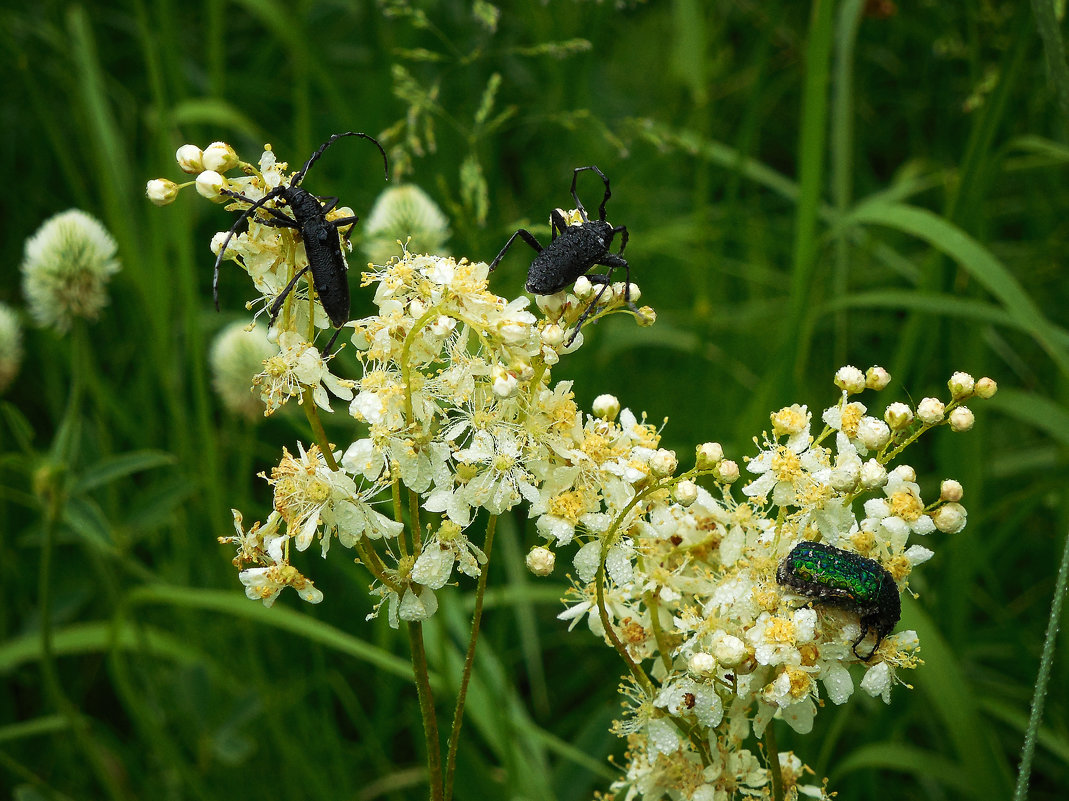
point(457, 413)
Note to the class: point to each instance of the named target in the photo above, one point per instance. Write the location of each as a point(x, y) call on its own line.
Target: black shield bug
point(840, 578)
point(574, 250)
point(322, 241)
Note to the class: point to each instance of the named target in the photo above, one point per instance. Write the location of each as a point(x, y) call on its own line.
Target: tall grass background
point(806, 185)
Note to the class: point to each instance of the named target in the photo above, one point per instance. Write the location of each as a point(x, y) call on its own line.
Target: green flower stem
point(652, 603)
point(1043, 679)
point(469, 657)
point(413, 513)
point(398, 515)
point(369, 557)
point(311, 411)
point(772, 754)
point(426, 708)
point(52, 479)
point(406, 367)
point(603, 612)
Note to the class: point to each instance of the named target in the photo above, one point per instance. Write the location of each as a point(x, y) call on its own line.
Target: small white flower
point(298, 365)
point(961, 419)
point(877, 378)
point(68, 263)
point(606, 407)
point(190, 159)
point(950, 518)
point(265, 583)
point(541, 561)
point(161, 192)
point(210, 184)
point(961, 385)
point(219, 157)
point(850, 380)
point(930, 411)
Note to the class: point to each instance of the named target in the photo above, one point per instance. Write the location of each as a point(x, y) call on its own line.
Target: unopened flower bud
point(219, 156)
point(873, 433)
point(877, 378)
point(646, 316)
point(904, 472)
point(190, 159)
point(685, 492)
point(582, 288)
point(961, 419)
point(443, 325)
point(551, 305)
point(634, 292)
point(416, 309)
point(708, 454)
point(663, 462)
point(161, 192)
point(961, 385)
point(950, 518)
point(552, 335)
point(541, 561)
point(606, 407)
point(950, 490)
point(210, 184)
point(873, 475)
point(930, 411)
point(898, 416)
point(850, 379)
point(986, 387)
point(701, 663)
point(505, 383)
point(730, 651)
point(727, 472)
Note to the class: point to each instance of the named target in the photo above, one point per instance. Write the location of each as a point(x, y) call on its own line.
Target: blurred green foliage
point(805, 186)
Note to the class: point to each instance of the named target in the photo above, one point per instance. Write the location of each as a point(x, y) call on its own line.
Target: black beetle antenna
point(604, 200)
point(296, 180)
point(233, 229)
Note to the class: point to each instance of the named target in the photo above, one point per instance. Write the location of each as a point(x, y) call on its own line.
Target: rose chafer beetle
point(836, 577)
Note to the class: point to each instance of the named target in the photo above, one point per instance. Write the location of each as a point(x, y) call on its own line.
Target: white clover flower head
point(950, 518)
point(67, 265)
point(219, 157)
point(10, 345)
point(541, 561)
point(898, 416)
point(161, 192)
point(873, 475)
point(877, 378)
point(190, 159)
point(986, 388)
point(872, 433)
point(930, 411)
point(407, 214)
point(237, 355)
point(685, 492)
point(951, 490)
point(708, 455)
point(850, 379)
point(961, 419)
point(210, 184)
point(663, 462)
point(727, 472)
point(961, 385)
point(606, 407)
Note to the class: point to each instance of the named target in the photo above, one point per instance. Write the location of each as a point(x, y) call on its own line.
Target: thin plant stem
point(469, 657)
point(772, 754)
point(1020, 793)
point(426, 709)
point(320, 435)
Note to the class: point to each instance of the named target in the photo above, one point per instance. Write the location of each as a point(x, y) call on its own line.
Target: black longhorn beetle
point(320, 237)
point(574, 249)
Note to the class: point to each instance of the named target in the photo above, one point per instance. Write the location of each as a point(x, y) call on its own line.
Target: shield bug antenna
point(575, 249)
point(321, 237)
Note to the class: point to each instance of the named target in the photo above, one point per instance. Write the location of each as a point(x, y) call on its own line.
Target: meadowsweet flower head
point(237, 356)
point(68, 263)
point(10, 345)
point(406, 214)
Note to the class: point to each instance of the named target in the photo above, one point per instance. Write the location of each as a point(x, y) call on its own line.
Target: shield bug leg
point(526, 236)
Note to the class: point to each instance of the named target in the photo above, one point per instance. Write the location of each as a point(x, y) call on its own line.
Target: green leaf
point(113, 468)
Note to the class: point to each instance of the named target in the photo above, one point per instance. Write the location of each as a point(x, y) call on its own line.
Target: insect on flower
point(840, 578)
point(574, 249)
point(320, 236)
